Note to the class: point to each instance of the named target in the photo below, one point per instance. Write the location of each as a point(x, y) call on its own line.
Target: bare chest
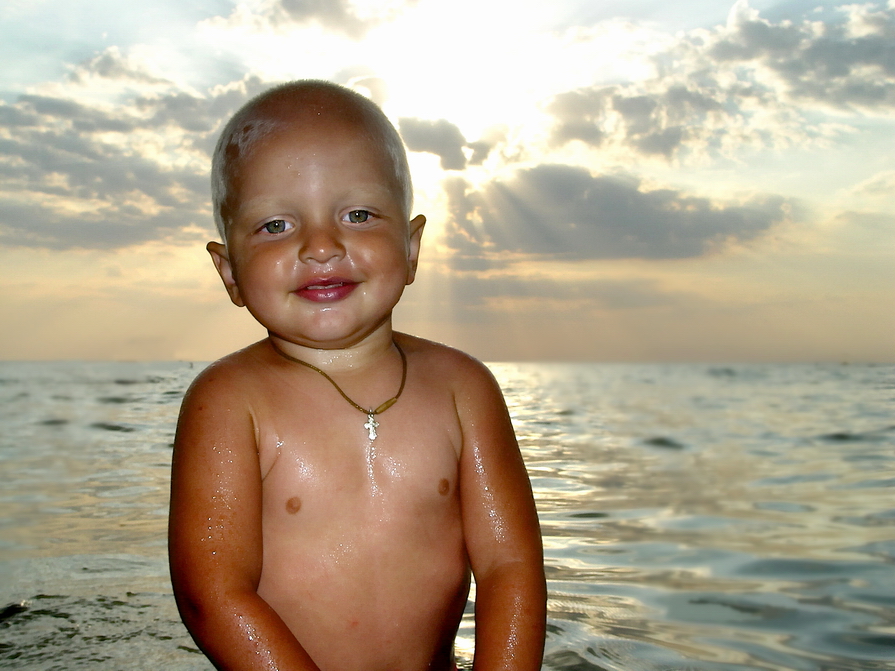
point(321, 464)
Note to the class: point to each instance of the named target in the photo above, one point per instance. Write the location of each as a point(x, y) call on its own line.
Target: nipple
point(293, 505)
point(444, 486)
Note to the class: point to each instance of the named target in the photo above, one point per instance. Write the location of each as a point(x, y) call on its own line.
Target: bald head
point(296, 104)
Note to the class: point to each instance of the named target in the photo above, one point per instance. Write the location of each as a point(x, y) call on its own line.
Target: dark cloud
point(560, 211)
point(440, 137)
point(658, 123)
point(480, 151)
point(580, 115)
point(835, 66)
point(663, 142)
point(82, 118)
point(109, 226)
point(748, 81)
point(73, 175)
point(445, 140)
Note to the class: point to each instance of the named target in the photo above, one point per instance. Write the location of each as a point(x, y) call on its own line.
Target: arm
point(214, 534)
point(502, 534)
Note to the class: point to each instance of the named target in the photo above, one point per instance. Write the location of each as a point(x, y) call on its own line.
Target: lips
point(326, 289)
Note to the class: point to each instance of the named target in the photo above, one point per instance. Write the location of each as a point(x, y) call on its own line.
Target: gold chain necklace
point(371, 424)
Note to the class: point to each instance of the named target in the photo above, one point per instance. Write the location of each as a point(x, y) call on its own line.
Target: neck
point(340, 360)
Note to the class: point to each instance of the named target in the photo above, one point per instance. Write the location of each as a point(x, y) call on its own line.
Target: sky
point(604, 180)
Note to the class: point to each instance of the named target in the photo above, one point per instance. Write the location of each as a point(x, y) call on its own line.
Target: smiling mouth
point(326, 283)
point(324, 290)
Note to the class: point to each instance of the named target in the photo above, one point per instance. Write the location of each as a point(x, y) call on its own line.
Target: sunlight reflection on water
point(718, 518)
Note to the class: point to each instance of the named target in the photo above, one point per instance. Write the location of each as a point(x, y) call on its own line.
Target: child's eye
point(358, 216)
point(276, 226)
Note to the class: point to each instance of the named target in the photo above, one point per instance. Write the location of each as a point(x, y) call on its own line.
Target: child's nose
point(321, 243)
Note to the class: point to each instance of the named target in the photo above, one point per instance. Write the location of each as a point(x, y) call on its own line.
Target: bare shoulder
point(452, 366)
point(233, 376)
point(474, 389)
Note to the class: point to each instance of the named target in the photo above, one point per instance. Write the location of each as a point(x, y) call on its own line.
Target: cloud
point(848, 64)
point(748, 83)
point(332, 14)
point(880, 185)
point(518, 292)
point(445, 140)
point(111, 64)
point(100, 175)
point(341, 16)
point(561, 211)
point(375, 88)
point(657, 123)
point(440, 137)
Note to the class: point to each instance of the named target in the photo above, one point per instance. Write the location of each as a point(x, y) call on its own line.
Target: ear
point(413, 253)
point(221, 260)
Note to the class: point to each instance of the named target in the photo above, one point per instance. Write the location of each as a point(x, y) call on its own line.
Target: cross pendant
point(371, 425)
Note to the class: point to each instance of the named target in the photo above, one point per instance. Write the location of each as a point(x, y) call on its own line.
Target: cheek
point(387, 255)
point(263, 271)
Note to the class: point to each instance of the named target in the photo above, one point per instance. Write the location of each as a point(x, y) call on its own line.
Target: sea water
point(694, 516)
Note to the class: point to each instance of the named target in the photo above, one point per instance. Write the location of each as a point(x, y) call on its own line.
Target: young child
point(335, 484)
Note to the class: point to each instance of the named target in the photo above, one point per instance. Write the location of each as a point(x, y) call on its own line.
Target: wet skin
point(296, 542)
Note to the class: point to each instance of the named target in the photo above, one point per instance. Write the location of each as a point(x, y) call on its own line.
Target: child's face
point(318, 247)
